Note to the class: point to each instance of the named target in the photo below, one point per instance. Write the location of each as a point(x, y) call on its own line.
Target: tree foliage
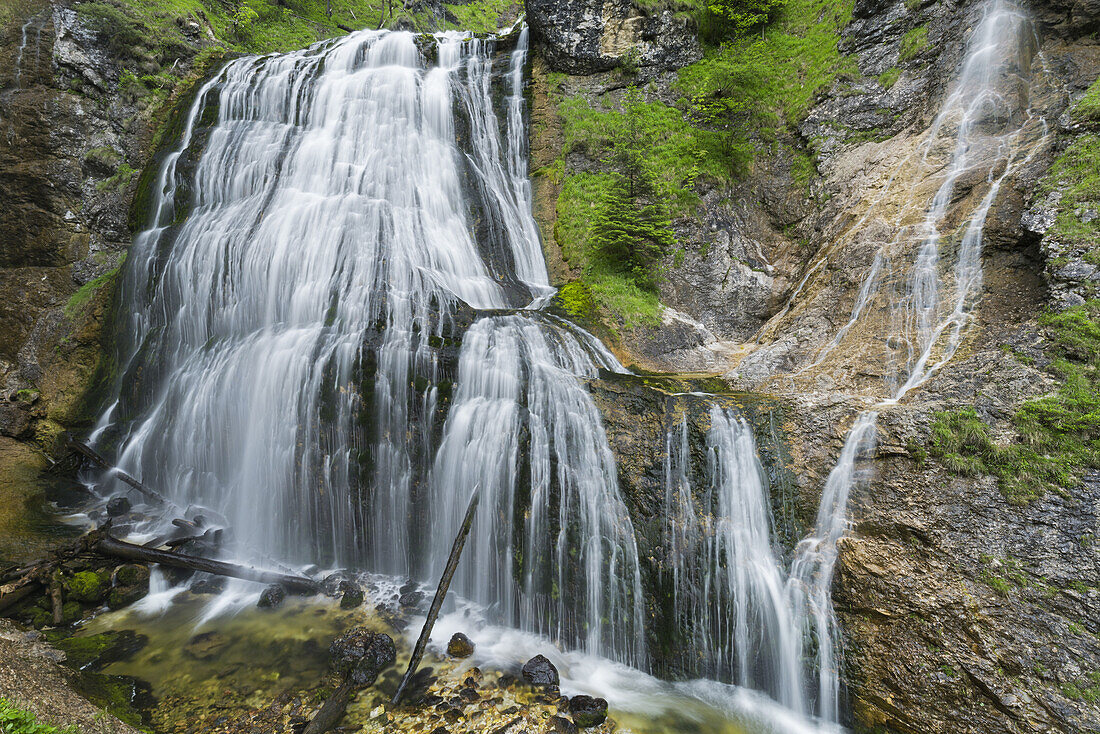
point(630, 233)
point(740, 16)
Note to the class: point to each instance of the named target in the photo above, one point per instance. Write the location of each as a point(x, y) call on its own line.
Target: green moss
point(482, 16)
point(889, 77)
point(1076, 176)
point(913, 43)
point(575, 299)
point(87, 587)
point(84, 294)
point(14, 720)
point(120, 180)
point(1059, 434)
point(1087, 108)
point(95, 651)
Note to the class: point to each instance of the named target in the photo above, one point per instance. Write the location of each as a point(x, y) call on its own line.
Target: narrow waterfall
point(985, 125)
point(729, 586)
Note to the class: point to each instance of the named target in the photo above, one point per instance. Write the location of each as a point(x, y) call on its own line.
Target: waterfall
point(312, 240)
point(729, 585)
point(523, 428)
point(985, 125)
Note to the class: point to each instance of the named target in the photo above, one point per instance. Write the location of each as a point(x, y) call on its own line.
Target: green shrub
point(630, 233)
point(739, 16)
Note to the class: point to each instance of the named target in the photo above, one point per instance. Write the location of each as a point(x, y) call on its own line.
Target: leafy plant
point(14, 720)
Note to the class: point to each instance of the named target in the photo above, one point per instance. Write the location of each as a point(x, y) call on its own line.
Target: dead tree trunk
point(440, 594)
point(130, 552)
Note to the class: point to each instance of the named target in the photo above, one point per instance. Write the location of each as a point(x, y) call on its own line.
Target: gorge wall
point(965, 606)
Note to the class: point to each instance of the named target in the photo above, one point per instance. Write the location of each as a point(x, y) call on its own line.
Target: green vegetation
point(1076, 175)
point(765, 62)
point(1087, 108)
point(889, 77)
point(750, 86)
point(1059, 434)
point(913, 43)
point(14, 720)
point(83, 296)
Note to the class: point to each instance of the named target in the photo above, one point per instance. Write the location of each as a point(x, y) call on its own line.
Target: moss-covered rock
point(87, 587)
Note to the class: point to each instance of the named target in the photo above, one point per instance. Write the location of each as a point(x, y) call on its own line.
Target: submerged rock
point(411, 599)
point(362, 655)
point(271, 597)
point(460, 646)
point(205, 645)
point(539, 671)
point(561, 725)
point(588, 711)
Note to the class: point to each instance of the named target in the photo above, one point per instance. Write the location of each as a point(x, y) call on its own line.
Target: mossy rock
point(124, 596)
point(87, 587)
point(132, 574)
point(95, 651)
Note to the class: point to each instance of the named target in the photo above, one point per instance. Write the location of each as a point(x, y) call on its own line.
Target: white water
point(324, 231)
point(523, 429)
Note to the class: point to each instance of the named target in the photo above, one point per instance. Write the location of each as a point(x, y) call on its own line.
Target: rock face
point(587, 36)
point(361, 655)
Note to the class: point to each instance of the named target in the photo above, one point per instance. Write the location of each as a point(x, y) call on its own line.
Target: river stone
point(117, 506)
point(362, 655)
point(335, 584)
point(561, 725)
point(460, 646)
point(271, 597)
point(205, 646)
point(352, 597)
point(588, 711)
point(411, 599)
point(212, 585)
point(539, 671)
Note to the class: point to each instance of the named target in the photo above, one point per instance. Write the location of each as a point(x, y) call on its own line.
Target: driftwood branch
point(87, 451)
point(440, 594)
point(130, 552)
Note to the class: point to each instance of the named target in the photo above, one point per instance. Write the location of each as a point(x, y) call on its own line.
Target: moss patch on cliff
point(1075, 175)
point(1059, 434)
point(1087, 108)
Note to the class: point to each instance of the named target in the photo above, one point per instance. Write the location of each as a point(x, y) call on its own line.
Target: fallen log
point(440, 594)
point(332, 710)
point(129, 552)
point(87, 451)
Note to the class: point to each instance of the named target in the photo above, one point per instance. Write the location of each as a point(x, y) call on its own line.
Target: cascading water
point(985, 126)
point(728, 583)
point(523, 428)
point(311, 241)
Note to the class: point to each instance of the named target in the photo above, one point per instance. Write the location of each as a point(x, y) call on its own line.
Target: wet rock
point(539, 671)
point(362, 655)
point(124, 596)
point(117, 505)
point(352, 597)
point(561, 725)
point(212, 585)
point(411, 599)
point(131, 574)
point(335, 584)
point(588, 711)
point(460, 646)
point(271, 597)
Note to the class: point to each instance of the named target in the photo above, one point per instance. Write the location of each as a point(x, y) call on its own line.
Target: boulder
point(539, 671)
point(271, 597)
point(361, 655)
point(460, 646)
point(117, 506)
point(587, 711)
